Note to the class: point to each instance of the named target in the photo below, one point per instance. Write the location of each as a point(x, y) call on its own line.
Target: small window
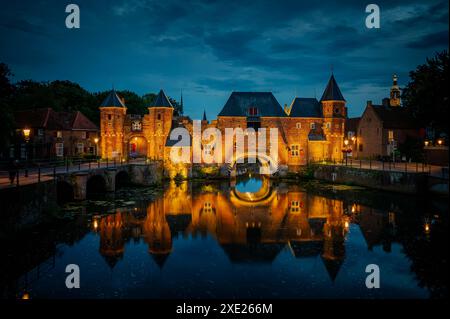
point(298, 125)
point(328, 125)
point(80, 148)
point(336, 111)
point(252, 111)
point(207, 149)
point(83, 135)
point(360, 147)
point(313, 126)
point(59, 149)
point(295, 150)
point(59, 134)
point(109, 117)
point(40, 132)
point(159, 116)
point(391, 135)
point(337, 126)
point(295, 206)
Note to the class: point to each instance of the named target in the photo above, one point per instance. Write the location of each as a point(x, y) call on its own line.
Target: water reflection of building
point(308, 225)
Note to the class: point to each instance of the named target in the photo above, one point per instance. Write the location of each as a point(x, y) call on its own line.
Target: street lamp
point(427, 143)
point(439, 141)
point(26, 134)
point(346, 151)
point(96, 149)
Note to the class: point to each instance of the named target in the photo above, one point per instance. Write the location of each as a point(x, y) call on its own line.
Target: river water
point(248, 239)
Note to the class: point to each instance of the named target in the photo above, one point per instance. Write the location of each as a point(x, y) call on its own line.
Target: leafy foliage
point(426, 95)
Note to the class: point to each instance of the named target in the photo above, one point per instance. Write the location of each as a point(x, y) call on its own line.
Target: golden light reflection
point(232, 221)
point(25, 296)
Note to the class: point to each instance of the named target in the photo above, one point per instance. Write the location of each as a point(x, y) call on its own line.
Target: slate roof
point(332, 91)
point(162, 100)
point(316, 134)
point(47, 118)
point(305, 107)
point(112, 100)
point(395, 117)
point(239, 102)
point(170, 142)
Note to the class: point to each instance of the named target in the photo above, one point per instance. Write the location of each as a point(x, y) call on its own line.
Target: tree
point(426, 95)
point(6, 117)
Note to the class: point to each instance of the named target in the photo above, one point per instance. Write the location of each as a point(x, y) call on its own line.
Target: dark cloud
point(212, 47)
point(432, 40)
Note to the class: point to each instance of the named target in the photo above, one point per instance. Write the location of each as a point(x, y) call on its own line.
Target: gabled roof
point(332, 91)
point(239, 102)
point(112, 100)
point(162, 100)
point(47, 118)
point(395, 117)
point(305, 107)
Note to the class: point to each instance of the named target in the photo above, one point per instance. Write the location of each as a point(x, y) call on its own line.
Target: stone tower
point(160, 123)
point(112, 117)
point(334, 113)
point(395, 92)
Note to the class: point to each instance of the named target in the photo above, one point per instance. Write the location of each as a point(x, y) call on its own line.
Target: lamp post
point(26, 135)
point(346, 151)
point(96, 146)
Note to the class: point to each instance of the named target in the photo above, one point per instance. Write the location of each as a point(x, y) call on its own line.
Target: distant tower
point(395, 92)
point(112, 116)
point(181, 104)
point(204, 119)
point(160, 122)
point(334, 112)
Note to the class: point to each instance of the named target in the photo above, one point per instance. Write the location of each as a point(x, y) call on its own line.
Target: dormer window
point(253, 111)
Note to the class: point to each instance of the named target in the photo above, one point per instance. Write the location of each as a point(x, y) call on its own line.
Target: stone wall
point(401, 182)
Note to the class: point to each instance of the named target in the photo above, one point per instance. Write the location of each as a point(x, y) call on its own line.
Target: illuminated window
point(59, 134)
point(295, 206)
point(295, 150)
point(337, 126)
point(313, 126)
point(391, 135)
point(328, 125)
point(298, 125)
point(83, 135)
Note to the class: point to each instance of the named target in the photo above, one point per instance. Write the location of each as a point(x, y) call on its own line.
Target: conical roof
point(112, 100)
point(162, 100)
point(332, 92)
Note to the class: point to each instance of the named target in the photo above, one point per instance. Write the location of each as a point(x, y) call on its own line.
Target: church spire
point(395, 92)
point(204, 116)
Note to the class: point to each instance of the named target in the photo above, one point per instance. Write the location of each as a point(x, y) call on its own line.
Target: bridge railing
point(19, 173)
point(407, 167)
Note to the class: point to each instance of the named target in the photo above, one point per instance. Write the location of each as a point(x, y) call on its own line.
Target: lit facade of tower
point(395, 92)
point(112, 117)
point(159, 122)
point(334, 112)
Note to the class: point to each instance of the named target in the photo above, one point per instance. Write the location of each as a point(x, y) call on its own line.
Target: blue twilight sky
point(210, 48)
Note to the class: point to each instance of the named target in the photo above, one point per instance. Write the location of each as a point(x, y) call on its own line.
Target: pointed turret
point(204, 116)
point(332, 91)
point(162, 100)
point(113, 100)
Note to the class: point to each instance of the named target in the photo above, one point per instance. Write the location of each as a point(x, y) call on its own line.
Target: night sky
point(210, 48)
